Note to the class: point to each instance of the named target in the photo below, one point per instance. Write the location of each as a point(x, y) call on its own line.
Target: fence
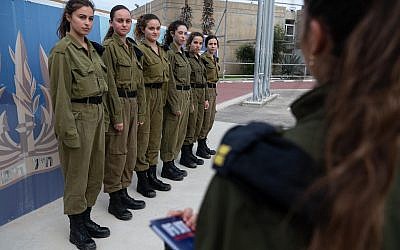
point(286, 71)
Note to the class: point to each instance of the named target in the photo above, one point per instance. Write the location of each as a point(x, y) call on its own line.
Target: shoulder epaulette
point(61, 46)
point(260, 159)
point(107, 42)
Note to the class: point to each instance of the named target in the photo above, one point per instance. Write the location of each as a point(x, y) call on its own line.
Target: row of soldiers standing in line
point(117, 106)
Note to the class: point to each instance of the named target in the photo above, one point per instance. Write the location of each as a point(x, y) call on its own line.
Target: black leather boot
point(129, 202)
point(94, 230)
point(201, 149)
point(118, 209)
point(181, 171)
point(169, 172)
point(156, 183)
point(209, 151)
point(186, 160)
point(194, 158)
point(143, 186)
point(79, 235)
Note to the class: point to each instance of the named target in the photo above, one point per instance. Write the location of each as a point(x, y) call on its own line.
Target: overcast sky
point(107, 4)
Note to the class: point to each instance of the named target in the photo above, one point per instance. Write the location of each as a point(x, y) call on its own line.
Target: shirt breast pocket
point(124, 70)
point(85, 81)
point(181, 71)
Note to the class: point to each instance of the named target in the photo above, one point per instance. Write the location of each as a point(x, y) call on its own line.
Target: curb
point(233, 101)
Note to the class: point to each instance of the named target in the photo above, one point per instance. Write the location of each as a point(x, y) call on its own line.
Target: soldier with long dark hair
point(177, 108)
point(77, 84)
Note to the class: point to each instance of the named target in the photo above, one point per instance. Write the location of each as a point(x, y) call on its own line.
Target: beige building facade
point(241, 23)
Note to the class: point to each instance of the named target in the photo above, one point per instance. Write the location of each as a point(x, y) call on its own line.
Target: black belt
point(212, 85)
point(156, 85)
point(126, 93)
point(183, 87)
point(198, 85)
point(89, 100)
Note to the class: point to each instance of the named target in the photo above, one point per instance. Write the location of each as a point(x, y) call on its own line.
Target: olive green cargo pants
point(121, 149)
point(149, 134)
point(209, 115)
point(196, 117)
point(83, 167)
point(174, 128)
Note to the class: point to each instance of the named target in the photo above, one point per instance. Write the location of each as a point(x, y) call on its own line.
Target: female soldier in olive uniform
point(155, 72)
point(124, 64)
point(78, 82)
point(200, 102)
point(333, 181)
point(212, 68)
point(176, 111)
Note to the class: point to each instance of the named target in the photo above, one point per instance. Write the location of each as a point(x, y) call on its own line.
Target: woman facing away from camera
point(336, 184)
point(77, 84)
point(124, 70)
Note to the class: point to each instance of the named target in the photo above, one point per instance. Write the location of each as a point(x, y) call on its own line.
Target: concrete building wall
point(241, 23)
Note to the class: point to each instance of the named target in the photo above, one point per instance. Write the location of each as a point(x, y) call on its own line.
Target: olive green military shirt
point(75, 73)
point(125, 71)
point(212, 67)
point(198, 73)
point(155, 66)
point(179, 75)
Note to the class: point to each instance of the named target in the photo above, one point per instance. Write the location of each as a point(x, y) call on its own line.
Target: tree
point(207, 17)
point(246, 54)
point(186, 14)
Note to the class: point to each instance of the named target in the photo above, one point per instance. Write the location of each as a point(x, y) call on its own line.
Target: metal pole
point(226, 14)
point(268, 46)
point(264, 48)
point(256, 82)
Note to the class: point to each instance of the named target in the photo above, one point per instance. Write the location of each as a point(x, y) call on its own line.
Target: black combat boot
point(181, 171)
point(169, 172)
point(156, 183)
point(94, 230)
point(79, 235)
point(194, 158)
point(209, 151)
point(118, 209)
point(201, 149)
point(186, 160)
point(129, 202)
point(143, 186)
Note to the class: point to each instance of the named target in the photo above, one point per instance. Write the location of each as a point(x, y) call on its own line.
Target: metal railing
point(286, 71)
